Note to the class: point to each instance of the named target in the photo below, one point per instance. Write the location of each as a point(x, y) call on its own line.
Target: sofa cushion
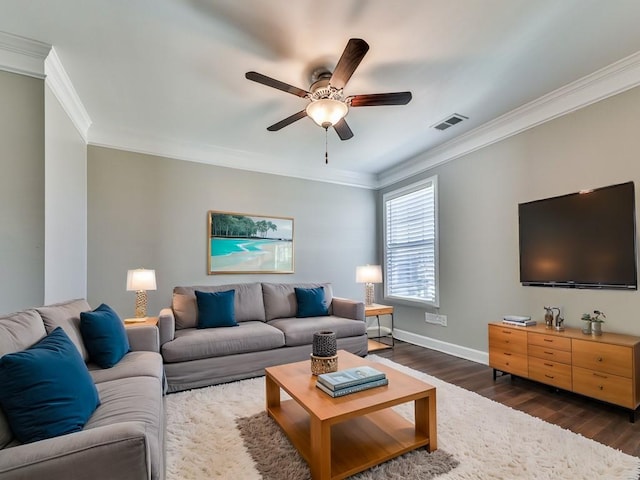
point(248, 303)
point(134, 364)
point(311, 302)
point(67, 316)
point(46, 389)
point(137, 400)
point(18, 331)
point(299, 331)
point(216, 309)
point(280, 298)
point(193, 344)
point(104, 336)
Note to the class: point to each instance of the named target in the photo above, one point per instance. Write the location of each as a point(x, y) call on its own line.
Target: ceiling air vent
point(449, 122)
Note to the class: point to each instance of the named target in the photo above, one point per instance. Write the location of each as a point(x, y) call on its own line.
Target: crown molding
point(606, 82)
point(61, 86)
point(36, 59)
point(224, 157)
point(22, 55)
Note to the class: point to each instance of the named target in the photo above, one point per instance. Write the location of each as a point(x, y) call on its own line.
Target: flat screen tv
point(581, 240)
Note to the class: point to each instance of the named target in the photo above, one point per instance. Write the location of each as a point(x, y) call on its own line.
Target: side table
point(375, 310)
point(136, 322)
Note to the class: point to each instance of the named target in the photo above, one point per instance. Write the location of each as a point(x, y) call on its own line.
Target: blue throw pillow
point(104, 336)
point(311, 302)
point(216, 309)
point(46, 390)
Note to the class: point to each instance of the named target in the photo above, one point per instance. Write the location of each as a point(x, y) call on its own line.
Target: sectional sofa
point(123, 438)
point(269, 332)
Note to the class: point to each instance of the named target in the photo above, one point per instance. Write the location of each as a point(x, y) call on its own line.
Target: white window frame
point(412, 300)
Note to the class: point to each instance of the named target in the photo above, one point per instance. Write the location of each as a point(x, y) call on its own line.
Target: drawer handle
point(506, 332)
point(601, 387)
point(549, 353)
point(507, 354)
point(547, 340)
point(550, 376)
point(599, 376)
point(600, 359)
point(548, 364)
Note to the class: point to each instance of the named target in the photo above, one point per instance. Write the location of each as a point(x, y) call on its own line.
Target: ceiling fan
point(327, 103)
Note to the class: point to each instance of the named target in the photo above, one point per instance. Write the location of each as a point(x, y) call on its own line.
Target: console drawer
point(507, 339)
point(549, 354)
point(550, 341)
point(610, 388)
point(603, 357)
point(549, 372)
point(509, 362)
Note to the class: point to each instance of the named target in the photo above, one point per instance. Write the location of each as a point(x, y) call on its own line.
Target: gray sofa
point(268, 333)
point(123, 439)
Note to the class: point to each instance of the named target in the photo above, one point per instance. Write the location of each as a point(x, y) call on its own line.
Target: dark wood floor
point(593, 419)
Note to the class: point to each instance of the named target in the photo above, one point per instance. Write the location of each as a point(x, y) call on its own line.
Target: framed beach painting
point(247, 243)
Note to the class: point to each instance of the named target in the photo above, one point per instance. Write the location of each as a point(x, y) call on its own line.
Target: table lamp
point(140, 280)
point(369, 274)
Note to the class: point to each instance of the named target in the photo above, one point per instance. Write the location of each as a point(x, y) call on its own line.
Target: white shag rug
point(490, 440)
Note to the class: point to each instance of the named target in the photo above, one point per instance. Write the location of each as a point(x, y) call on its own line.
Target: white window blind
point(411, 246)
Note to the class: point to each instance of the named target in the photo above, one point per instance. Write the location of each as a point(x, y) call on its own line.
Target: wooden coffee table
point(339, 437)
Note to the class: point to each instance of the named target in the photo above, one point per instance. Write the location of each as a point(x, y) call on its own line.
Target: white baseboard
point(445, 347)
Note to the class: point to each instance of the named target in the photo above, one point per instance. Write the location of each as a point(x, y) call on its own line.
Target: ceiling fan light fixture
point(326, 112)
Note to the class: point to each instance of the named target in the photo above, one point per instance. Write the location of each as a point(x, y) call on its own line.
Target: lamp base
point(369, 294)
point(141, 304)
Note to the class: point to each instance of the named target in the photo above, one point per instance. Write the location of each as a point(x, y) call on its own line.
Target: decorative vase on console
point(548, 317)
point(596, 323)
point(324, 358)
point(586, 318)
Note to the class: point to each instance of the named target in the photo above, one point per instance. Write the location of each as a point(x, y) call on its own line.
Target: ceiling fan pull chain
point(326, 145)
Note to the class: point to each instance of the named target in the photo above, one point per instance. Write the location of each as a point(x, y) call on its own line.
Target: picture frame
point(249, 243)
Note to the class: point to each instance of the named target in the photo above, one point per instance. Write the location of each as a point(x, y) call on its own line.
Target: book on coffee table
point(353, 388)
point(350, 377)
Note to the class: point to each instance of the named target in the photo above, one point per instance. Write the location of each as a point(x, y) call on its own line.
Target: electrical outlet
point(435, 319)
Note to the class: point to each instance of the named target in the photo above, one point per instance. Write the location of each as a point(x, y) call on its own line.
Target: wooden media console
point(603, 367)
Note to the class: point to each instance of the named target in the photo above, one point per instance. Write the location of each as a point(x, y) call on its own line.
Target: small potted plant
point(586, 318)
point(596, 322)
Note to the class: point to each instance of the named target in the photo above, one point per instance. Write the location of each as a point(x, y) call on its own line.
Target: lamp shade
point(369, 274)
point(141, 279)
point(326, 112)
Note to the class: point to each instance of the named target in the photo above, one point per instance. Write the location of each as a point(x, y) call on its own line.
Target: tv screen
point(581, 240)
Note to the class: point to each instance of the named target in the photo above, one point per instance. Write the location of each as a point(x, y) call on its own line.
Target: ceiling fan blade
point(353, 54)
point(375, 99)
point(272, 82)
point(287, 121)
point(343, 130)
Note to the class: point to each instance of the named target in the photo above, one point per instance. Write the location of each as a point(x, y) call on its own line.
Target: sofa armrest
point(144, 338)
point(103, 453)
point(344, 307)
point(166, 325)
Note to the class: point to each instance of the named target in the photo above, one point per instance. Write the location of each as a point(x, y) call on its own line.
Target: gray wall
point(21, 192)
point(148, 211)
point(65, 258)
point(478, 197)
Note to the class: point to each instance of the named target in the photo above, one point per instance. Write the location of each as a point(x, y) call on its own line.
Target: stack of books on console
point(518, 320)
point(351, 380)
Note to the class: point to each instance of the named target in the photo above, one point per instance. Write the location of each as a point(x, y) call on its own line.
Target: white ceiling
point(167, 76)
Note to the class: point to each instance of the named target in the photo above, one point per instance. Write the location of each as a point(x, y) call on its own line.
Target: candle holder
point(324, 358)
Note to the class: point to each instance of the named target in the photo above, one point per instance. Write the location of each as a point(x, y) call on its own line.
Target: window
point(411, 243)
